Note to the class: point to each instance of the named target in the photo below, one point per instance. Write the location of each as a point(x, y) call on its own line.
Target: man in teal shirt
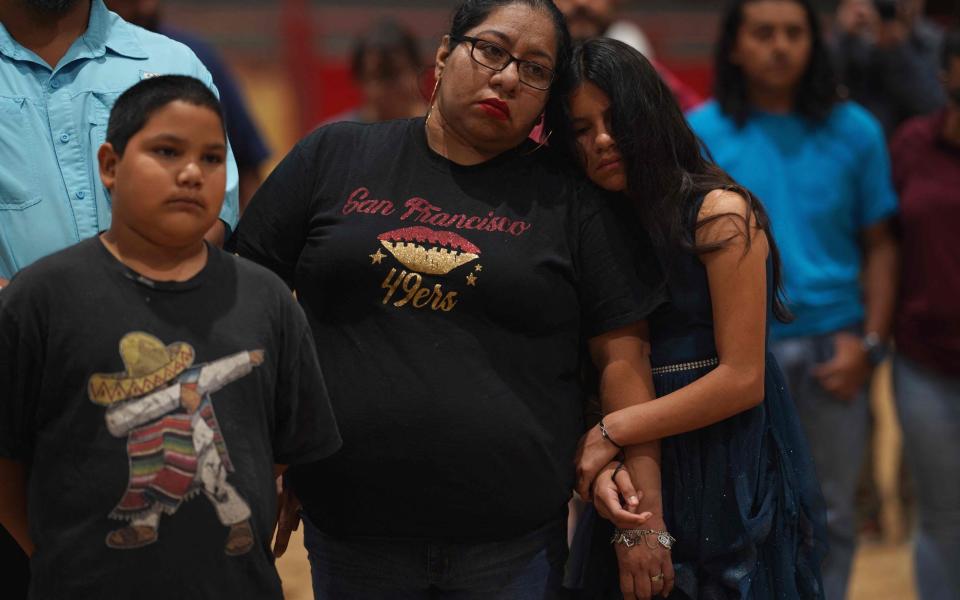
point(821, 169)
point(62, 65)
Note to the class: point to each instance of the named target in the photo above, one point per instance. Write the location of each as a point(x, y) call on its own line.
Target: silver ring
point(657, 577)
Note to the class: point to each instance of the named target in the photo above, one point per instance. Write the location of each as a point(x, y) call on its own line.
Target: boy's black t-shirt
point(139, 403)
point(450, 304)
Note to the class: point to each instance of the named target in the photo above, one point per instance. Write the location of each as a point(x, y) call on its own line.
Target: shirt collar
point(104, 30)
point(107, 30)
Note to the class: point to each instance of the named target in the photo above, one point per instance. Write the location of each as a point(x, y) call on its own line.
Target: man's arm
point(881, 278)
point(217, 374)
point(846, 373)
point(13, 502)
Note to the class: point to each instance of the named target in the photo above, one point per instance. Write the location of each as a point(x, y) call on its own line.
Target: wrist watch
point(875, 348)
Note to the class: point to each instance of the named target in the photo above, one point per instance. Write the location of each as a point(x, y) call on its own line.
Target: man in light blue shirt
point(62, 65)
point(821, 169)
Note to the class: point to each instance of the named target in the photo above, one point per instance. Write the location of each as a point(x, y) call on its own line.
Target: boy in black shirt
point(143, 368)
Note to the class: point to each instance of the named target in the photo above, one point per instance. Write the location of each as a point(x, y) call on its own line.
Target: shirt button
point(55, 84)
point(80, 195)
point(64, 138)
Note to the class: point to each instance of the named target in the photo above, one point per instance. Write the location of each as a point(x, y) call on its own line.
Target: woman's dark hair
point(951, 47)
point(667, 167)
point(816, 92)
point(471, 13)
point(136, 105)
point(389, 40)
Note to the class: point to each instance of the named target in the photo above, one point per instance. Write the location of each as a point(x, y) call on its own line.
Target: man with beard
point(599, 18)
point(62, 65)
point(248, 146)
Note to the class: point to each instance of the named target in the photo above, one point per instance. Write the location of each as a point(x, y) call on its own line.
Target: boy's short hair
point(951, 47)
point(135, 106)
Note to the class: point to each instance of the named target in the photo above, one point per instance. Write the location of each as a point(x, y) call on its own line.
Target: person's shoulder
point(157, 45)
point(723, 202)
point(164, 55)
point(56, 274)
point(708, 119)
point(253, 275)
point(853, 121)
point(352, 133)
point(917, 131)
point(200, 47)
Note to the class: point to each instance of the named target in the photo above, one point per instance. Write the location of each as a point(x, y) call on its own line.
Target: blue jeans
point(525, 568)
point(838, 431)
point(928, 403)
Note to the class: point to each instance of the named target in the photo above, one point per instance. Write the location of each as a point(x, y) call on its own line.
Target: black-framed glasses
point(496, 58)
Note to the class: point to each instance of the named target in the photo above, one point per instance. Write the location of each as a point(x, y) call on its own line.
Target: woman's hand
point(616, 499)
point(646, 569)
point(288, 520)
point(593, 453)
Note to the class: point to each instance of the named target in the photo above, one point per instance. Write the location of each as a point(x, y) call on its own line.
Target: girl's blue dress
point(740, 496)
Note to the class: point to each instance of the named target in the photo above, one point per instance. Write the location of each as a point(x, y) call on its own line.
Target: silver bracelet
point(606, 436)
point(632, 537)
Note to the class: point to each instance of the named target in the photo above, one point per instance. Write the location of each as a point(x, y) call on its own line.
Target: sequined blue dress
point(740, 496)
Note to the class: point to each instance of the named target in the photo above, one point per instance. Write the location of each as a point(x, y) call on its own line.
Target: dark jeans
point(525, 568)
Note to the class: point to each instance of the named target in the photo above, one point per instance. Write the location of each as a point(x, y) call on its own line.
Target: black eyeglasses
point(496, 58)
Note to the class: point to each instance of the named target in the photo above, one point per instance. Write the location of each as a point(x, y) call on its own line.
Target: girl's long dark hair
point(817, 91)
point(667, 167)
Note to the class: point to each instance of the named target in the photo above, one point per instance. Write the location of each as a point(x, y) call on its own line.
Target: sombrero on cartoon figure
point(149, 365)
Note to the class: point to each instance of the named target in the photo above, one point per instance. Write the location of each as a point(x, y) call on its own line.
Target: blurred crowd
point(850, 138)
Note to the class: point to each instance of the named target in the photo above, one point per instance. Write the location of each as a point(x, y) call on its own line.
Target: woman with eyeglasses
point(451, 271)
point(739, 492)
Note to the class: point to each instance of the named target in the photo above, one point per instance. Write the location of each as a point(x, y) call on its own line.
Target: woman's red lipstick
point(496, 108)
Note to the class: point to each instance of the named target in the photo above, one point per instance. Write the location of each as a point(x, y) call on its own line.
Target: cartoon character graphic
point(161, 403)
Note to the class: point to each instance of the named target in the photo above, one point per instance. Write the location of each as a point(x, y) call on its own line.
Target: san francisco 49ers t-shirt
point(449, 305)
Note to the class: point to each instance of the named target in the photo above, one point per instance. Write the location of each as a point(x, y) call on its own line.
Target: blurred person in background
point(821, 168)
point(451, 271)
point(887, 57)
point(387, 67)
point(601, 18)
point(248, 146)
point(926, 366)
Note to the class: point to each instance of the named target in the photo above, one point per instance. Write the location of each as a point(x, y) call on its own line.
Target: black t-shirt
point(449, 304)
point(139, 404)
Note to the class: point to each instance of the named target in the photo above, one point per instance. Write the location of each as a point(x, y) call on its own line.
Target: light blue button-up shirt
point(52, 122)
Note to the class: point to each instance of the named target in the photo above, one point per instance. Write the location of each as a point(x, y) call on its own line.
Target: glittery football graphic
point(427, 251)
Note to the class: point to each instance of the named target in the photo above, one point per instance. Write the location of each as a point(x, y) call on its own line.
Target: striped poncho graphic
point(162, 405)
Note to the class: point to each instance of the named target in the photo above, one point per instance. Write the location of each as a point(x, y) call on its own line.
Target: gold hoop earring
point(433, 95)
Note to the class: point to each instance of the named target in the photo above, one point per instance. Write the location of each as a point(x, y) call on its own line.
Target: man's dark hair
point(137, 104)
point(390, 41)
point(471, 13)
point(817, 91)
point(951, 47)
